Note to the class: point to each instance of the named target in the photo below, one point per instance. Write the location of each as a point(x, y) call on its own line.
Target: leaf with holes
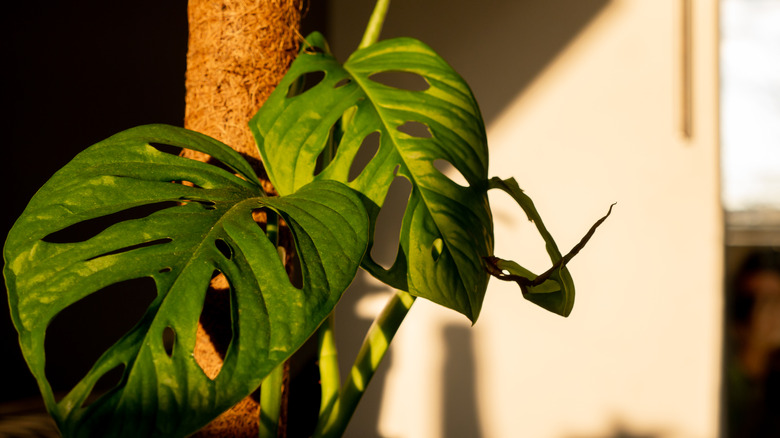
point(447, 228)
point(147, 213)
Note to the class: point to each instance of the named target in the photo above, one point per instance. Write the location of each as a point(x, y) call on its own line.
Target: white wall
point(593, 120)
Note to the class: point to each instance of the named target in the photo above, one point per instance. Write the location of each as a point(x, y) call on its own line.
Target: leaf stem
point(371, 353)
point(375, 23)
point(271, 389)
point(337, 406)
point(271, 402)
point(330, 379)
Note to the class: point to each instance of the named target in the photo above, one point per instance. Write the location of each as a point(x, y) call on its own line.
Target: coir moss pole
point(238, 52)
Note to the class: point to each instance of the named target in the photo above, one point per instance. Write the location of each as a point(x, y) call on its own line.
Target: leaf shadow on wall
point(498, 46)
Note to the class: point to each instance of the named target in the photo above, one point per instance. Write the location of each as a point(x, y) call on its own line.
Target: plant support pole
point(238, 50)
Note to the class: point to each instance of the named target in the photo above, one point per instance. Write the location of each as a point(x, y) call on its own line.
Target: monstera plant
point(179, 222)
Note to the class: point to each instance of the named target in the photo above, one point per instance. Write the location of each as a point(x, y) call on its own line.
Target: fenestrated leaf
point(177, 247)
point(447, 228)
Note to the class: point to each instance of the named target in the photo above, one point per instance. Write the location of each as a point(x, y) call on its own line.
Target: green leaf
point(553, 289)
point(446, 229)
point(203, 227)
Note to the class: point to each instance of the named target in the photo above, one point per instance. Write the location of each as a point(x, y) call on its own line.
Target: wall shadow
point(498, 46)
point(460, 413)
point(619, 431)
point(460, 416)
point(351, 328)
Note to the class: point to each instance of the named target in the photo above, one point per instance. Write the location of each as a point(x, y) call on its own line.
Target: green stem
point(271, 402)
point(371, 353)
point(330, 380)
point(271, 387)
point(375, 23)
point(336, 407)
point(328, 361)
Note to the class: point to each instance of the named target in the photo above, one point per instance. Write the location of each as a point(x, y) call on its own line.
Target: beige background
point(582, 101)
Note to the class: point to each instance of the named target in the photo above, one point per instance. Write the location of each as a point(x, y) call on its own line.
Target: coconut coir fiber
point(238, 52)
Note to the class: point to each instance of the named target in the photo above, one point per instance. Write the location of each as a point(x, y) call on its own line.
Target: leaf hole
point(292, 262)
point(451, 172)
point(132, 247)
point(180, 152)
point(262, 215)
point(331, 147)
point(224, 248)
point(437, 248)
point(305, 82)
point(87, 229)
point(366, 152)
point(168, 339)
point(216, 322)
point(80, 333)
point(208, 205)
point(206, 158)
point(108, 381)
point(313, 50)
point(164, 270)
point(167, 149)
point(343, 82)
point(403, 80)
point(219, 164)
point(256, 164)
point(415, 129)
point(387, 232)
point(284, 239)
point(187, 183)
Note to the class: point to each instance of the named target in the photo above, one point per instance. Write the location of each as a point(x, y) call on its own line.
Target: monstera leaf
point(199, 220)
point(447, 228)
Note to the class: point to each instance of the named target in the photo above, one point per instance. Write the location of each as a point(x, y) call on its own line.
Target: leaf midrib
point(377, 108)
